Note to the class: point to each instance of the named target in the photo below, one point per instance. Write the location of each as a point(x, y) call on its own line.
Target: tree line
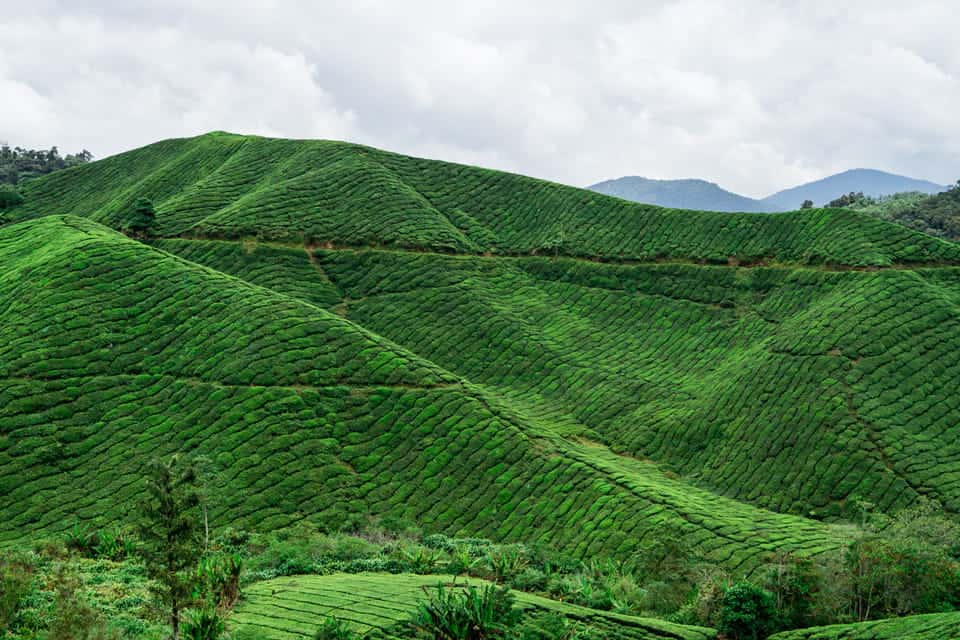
point(18, 164)
point(935, 214)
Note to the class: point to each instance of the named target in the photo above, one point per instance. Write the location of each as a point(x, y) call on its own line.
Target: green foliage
point(217, 580)
point(937, 214)
point(778, 360)
point(794, 583)
point(747, 612)
point(75, 618)
point(143, 216)
point(336, 194)
point(420, 559)
point(506, 563)
point(466, 614)
point(16, 581)
point(18, 164)
point(925, 627)
point(203, 624)
point(850, 199)
point(552, 626)
point(378, 604)
point(335, 629)
point(9, 197)
point(168, 532)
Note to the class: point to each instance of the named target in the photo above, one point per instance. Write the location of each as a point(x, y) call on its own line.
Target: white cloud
point(752, 94)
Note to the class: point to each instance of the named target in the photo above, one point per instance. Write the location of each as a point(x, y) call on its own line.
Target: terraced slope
point(112, 352)
point(938, 626)
point(226, 185)
point(791, 388)
point(294, 607)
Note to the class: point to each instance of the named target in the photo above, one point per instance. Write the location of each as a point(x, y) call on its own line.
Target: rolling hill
point(120, 352)
point(937, 626)
point(347, 332)
point(292, 608)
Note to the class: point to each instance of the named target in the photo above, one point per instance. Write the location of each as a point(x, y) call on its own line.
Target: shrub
point(218, 579)
point(420, 559)
point(143, 216)
point(553, 626)
point(16, 581)
point(794, 585)
point(203, 624)
point(507, 562)
point(74, 618)
point(9, 197)
point(466, 614)
point(334, 629)
point(747, 612)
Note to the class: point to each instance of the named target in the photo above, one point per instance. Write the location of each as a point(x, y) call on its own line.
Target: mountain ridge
point(702, 195)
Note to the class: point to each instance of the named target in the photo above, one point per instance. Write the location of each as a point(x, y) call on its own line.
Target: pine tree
point(168, 532)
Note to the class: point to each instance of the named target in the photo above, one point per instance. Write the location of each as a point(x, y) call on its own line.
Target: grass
point(937, 626)
point(294, 607)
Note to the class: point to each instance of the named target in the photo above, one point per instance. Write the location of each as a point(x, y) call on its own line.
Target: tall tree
point(168, 531)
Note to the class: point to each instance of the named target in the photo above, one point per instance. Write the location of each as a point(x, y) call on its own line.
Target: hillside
point(307, 414)
point(351, 334)
point(937, 626)
point(698, 195)
point(290, 608)
point(870, 181)
point(229, 186)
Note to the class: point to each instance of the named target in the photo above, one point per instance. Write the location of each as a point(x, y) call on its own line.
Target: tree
point(807, 204)
point(9, 197)
point(850, 199)
point(793, 582)
point(143, 216)
point(20, 164)
point(747, 612)
point(169, 533)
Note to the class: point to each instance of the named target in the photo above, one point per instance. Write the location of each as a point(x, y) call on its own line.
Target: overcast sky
point(756, 95)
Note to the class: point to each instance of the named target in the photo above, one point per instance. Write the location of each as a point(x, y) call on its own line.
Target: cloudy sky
point(756, 95)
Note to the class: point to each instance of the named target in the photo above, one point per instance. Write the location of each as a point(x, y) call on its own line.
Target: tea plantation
point(308, 415)
point(291, 608)
point(227, 185)
point(937, 626)
point(348, 334)
point(852, 374)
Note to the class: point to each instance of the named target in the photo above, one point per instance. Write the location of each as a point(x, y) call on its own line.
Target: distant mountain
point(680, 194)
point(870, 181)
point(707, 196)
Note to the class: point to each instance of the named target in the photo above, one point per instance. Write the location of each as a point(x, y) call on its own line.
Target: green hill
point(291, 608)
point(120, 352)
point(350, 333)
point(233, 186)
point(846, 372)
point(937, 626)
